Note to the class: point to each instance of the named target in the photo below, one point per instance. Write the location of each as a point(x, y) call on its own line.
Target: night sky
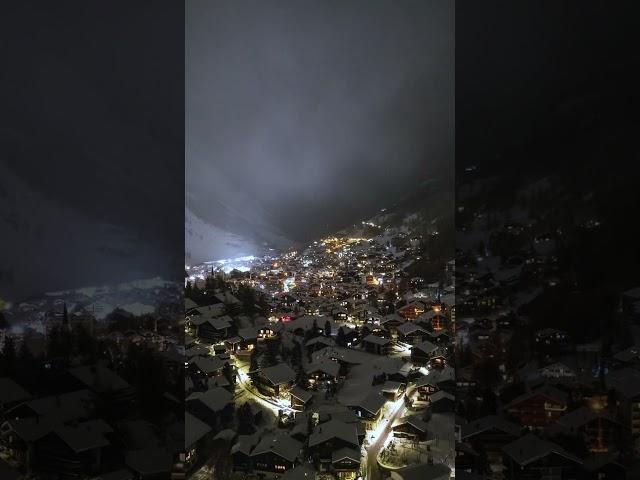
point(91, 129)
point(300, 118)
point(310, 116)
point(529, 74)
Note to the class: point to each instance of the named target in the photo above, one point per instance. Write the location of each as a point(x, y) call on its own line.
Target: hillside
point(37, 230)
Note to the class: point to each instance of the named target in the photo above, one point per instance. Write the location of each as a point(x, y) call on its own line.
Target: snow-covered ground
point(71, 247)
point(205, 242)
point(137, 297)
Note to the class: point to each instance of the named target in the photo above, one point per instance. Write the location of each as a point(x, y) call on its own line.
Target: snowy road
point(381, 435)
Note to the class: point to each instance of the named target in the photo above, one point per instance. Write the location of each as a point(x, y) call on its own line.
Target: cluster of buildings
point(532, 400)
point(344, 361)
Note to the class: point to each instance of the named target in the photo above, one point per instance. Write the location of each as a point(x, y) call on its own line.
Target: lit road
point(381, 435)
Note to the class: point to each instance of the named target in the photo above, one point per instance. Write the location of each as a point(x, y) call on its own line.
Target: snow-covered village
point(331, 362)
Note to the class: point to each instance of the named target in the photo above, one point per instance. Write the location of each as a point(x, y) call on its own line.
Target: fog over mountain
point(47, 245)
point(91, 144)
point(302, 118)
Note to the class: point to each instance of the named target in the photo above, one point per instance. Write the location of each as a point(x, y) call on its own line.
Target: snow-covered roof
point(415, 421)
point(281, 445)
point(11, 392)
point(426, 347)
point(441, 395)
point(530, 448)
point(99, 378)
point(547, 391)
point(334, 429)
point(246, 443)
point(410, 327)
point(189, 304)
point(84, 436)
point(216, 399)
point(300, 472)
point(346, 453)
point(227, 297)
point(371, 403)
point(490, 422)
point(207, 365)
point(301, 394)
point(422, 471)
point(248, 333)
point(326, 366)
point(436, 377)
point(195, 429)
point(196, 350)
point(371, 338)
point(279, 374)
point(321, 339)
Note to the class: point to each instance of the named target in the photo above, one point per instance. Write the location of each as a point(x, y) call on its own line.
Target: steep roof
point(626, 381)
point(426, 347)
point(85, 436)
point(30, 429)
point(581, 416)
point(441, 395)
point(215, 399)
point(207, 364)
point(415, 421)
point(189, 304)
point(197, 349)
point(372, 403)
point(301, 394)
point(195, 429)
point(245, 443)
point(300, 472)
point(219, 323)
point(248, 333)
point(321, 339)
point(66, 406)
point(371, 338)
point(422, 471)
point(547, 391)
point(490, 422)
point(99, 378)
point(410, 327)
point(436, 377)
point(530, 448)
point(630, 354)
point(346, 453)
point(150, 461)
point(334, 429)
point(227, 297)
point(281, 445)
point(326, 366)
point(391, 386)
point(279, 374)
point(122, 474)
point(11, 392)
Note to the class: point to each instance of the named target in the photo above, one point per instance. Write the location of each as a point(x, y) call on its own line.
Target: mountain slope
point(47, 245)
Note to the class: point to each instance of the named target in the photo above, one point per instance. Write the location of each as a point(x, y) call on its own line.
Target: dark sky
point(527, 71)
point(91, 130)
point(313, 115)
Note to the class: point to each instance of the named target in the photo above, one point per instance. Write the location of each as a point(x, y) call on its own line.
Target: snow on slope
point(205, 242)
point(69, 247)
